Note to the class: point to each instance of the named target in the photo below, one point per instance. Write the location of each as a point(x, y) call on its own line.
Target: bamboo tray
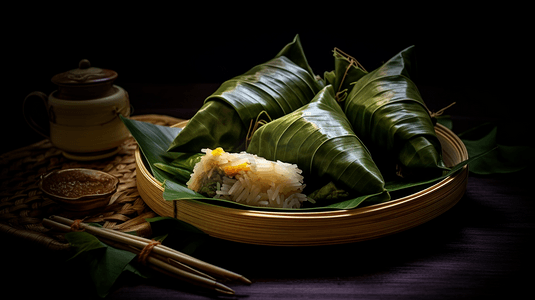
point(315, 228)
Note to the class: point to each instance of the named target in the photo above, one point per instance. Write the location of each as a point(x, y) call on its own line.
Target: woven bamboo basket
point(315, 228)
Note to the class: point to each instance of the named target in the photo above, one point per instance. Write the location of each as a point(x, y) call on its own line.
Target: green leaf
point(83, 242)
point(389, 115)
point(398, 184)
point(294, 52)
point(277, 87)
point(216, 124)
point(103, 263)
point(174, 190)
point(360, 201)
point(180, 235)
point(500, 159)
point(182, 165)
point(179, 174)
point(445, 121)
point(153, 141)
point(346, 72)
point(186, 161)
point(319, 139)
point(328, 192)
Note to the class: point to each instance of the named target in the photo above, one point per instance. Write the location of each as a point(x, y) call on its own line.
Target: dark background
point(473, 60)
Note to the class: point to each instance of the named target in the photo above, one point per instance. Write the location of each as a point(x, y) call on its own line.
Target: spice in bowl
point(79, 189)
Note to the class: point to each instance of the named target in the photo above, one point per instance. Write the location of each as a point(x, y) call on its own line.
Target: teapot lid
point(85, 82)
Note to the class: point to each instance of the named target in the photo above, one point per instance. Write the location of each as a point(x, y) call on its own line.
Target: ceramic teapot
point(83, 113)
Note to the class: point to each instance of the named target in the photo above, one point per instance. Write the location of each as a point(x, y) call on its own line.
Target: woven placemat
point(23, 207)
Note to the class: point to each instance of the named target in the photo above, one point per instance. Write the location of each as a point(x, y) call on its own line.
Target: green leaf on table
point(83, 242)
point(103, 263)
point(179, 235)
point(500, 158)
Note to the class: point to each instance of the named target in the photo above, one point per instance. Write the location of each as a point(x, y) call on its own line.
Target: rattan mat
point(23, 207)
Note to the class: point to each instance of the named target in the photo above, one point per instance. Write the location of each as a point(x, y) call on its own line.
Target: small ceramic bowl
point(79, 189)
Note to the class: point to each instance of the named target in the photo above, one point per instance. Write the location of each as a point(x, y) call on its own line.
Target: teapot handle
point(28, 116)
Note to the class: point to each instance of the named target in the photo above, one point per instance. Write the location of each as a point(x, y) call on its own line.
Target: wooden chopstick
point(178, 264)
point(193, 277)
point(170, 261)
point(184, 259)
point(141, 242)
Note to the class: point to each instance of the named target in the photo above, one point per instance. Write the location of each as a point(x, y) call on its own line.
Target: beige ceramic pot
point(83, 114)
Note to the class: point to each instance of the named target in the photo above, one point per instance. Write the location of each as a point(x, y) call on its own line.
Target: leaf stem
point(254, 126)
point(352, 62)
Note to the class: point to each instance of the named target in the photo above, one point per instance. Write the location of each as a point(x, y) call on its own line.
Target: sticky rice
point(249, 179)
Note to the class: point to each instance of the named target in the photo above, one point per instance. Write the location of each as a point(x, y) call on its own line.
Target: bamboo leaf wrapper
point(319, 139)
point(276, 87)
point(388, 113)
